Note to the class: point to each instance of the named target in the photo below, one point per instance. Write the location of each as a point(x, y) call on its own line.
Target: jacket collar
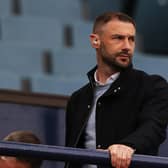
point(90, 74)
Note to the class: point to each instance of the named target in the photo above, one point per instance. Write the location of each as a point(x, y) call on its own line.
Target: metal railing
point(66, 154)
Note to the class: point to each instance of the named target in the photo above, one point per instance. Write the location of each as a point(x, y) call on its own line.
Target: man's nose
point(127, 44)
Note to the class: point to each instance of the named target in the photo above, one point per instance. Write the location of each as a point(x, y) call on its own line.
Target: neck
point(104, 73)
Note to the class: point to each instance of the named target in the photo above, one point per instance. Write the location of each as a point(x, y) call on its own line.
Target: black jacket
point(133, 111)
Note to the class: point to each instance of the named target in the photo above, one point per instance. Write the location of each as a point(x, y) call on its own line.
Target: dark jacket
point(133, 111)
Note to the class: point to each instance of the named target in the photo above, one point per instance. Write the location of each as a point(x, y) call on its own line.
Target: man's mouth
point(124, 55)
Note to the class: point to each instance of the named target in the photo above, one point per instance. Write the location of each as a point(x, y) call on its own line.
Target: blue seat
point(64, 9)
point(21, 60)
point(33, 31)
point(73, 62)
point(9, 80)
point(5, 7)
point(54, 85)
point(80, 34)
point(152, 25)
point(69, 72)
point(152, 63)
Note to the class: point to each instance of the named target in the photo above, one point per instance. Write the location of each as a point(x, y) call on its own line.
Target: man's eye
point(132, 39)
point(118, 37)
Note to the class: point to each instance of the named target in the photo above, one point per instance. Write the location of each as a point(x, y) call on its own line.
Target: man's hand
point(121, 155)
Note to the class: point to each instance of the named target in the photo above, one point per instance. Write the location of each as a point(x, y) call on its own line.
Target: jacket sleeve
point(67, 121)
point(152, 119)
point(70, 129)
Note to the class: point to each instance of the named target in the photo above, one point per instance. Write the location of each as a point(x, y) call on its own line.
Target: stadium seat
point(64, 9)
point(54, 85)
point(73, 62)
point(21, 60)
point(80, 34)
point(33, 31)
point(152, 63)
point(152, 25)
point(5, 7)
point(70, 67)
point(9, 80)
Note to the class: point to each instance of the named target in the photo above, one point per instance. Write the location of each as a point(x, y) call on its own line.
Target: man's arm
point(151, 130)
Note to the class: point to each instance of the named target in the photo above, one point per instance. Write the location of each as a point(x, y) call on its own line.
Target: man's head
point(113, 37)
point(21, 162)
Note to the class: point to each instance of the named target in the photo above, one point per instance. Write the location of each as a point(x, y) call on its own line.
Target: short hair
point(108, 16)
point(25, 137)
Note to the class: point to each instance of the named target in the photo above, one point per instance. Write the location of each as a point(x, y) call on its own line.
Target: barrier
point(60, 153)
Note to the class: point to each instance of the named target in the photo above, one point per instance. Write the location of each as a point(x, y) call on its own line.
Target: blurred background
point(45, 48)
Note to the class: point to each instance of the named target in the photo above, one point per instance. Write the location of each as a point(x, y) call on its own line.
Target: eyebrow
point(114, 35)
point(123, 36)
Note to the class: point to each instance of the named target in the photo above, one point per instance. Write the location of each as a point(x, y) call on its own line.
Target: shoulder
point(148, 77)
point(142, 81)
point(153, 83)
point(81, 93)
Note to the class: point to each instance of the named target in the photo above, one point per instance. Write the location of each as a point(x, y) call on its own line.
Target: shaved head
point(109, 16)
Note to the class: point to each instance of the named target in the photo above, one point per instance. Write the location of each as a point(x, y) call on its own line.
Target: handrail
point(67, 154)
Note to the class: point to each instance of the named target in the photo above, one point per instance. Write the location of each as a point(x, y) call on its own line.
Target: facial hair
point(111, 61)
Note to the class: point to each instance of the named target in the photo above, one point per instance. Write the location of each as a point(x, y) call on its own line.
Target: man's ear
point(94, 40)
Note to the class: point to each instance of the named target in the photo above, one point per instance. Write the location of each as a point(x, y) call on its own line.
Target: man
point(121, 109)
point(21, 162)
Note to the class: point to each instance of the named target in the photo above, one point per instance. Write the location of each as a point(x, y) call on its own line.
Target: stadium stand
point(80, 34)
point(9, 80)
point(40, 25)
point(73, 62)
point(21, 59)
point(151, 63)
point(64, 9)
point(33, 31)
point(53, 85)
point(5, 8)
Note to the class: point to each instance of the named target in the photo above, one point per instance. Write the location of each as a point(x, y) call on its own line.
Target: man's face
point(117, 43)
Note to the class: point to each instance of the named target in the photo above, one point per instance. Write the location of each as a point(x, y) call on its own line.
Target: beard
point(114, 61)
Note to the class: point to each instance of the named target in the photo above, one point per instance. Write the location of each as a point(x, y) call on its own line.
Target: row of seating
point(68, 68)
point(40, 83)
point(151, 26)
point(5, 7)
point(39, 43)
point(50, 8)
point(47, 33)
point(27, 60)
point(21, 60)
point(152, 63)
